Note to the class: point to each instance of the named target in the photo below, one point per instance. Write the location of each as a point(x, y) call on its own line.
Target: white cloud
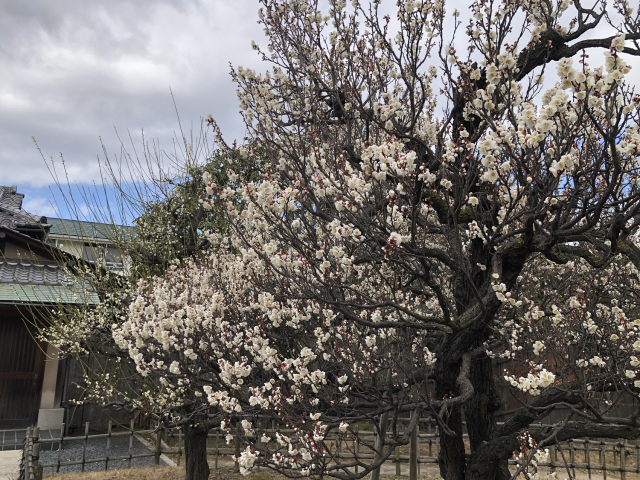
point(73, 71)
point(39, 206)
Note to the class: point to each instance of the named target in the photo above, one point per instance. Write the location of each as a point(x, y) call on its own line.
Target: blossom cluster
point(397, 235)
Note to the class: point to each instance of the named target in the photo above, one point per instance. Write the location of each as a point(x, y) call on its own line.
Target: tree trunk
point(481, 423)
point(451, 459)
point(384, 419)
point(195, 449)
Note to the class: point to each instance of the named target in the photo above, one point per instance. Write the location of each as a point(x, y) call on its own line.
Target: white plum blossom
point(402, 220)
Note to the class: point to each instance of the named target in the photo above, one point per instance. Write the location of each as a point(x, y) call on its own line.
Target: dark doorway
point(21, 372)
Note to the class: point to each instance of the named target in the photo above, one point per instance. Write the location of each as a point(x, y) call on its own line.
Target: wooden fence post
point(418, 447)
point(180, 445)
point(130, 444)
point(84, 445)
point(106, 460)
point(413, 457)
point(35, 455)
point(552, 458)
point(587, 453)
point(158, 445)
point(623, 462)
point(60, 448)
point(356, 446)
point(237, 443)
point(217, 448)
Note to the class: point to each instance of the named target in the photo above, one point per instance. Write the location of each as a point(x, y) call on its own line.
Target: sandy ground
point(226, 471)
point(10, 464)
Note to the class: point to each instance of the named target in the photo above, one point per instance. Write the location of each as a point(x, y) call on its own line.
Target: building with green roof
point(33, 279)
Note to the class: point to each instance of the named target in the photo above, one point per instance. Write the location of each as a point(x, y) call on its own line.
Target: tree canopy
point(430, 208)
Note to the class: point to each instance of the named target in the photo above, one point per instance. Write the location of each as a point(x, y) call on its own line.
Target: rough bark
point(195, 448)
point(534, 411)
point(481, 422)
point(375, 474)
point(482, 461)
point(451, 458)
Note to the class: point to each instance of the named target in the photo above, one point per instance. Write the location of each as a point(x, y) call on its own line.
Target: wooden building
point(31, 281)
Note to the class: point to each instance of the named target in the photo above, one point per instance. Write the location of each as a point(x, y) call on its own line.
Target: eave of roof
point(34, 273)
point(46, 294)
point(88, 230)
point(14, 291)
point(36, 245)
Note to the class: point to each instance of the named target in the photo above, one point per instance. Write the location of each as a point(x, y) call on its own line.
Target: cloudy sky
point(76, 71)
point(75, 74)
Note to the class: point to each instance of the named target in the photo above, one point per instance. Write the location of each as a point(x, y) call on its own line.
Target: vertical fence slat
point(37, 469)
point(106, 459)
point(588, 454)
point(603, 456)
point(217, 447)
point(60, 447)
point(418, 446)
point(356, 445)
point(623, 462)
point(84, 445)
point(413, 457)
point(130, 444)
point(572, 453)
point(180, 446)
point(156, 458)
point(237, 443)
point(430, 438)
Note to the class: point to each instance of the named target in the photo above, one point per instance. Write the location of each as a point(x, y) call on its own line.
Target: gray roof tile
point(89, 230)
point(41, 282)
point(43, 294)
point(14, 217)
point(31, 273)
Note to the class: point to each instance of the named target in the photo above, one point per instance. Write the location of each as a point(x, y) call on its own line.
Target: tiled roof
point(78, 228)
point(30, 273)
point(39, 294)
point(14, 217)
point(41, 282)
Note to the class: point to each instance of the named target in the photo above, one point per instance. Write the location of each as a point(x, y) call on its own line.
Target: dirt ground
point(226, 472)
point(158, 473)
point(166, 473)
point(177, 473)
point(163, 473)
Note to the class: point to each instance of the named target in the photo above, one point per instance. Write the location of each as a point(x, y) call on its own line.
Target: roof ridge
point(14, 217)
